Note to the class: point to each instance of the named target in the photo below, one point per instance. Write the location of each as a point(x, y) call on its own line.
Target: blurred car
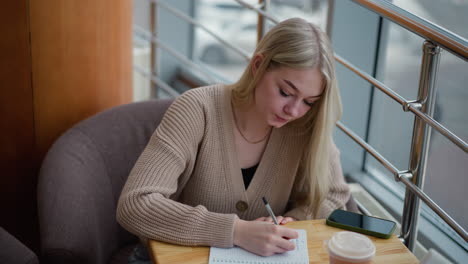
point(235, 24)
point(211, 51)
point(232, 22)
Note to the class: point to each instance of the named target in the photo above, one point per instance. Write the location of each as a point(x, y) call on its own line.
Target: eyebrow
point(295, 88)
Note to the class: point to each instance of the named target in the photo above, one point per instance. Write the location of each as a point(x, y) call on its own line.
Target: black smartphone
point(364, 224)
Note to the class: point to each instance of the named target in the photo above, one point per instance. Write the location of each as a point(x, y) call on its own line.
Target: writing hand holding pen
point(263, 239)
point(282, 220)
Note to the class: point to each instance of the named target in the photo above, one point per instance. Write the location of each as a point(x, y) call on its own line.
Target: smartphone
point(364, 224)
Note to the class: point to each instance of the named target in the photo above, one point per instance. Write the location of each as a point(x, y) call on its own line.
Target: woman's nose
point(292, 109)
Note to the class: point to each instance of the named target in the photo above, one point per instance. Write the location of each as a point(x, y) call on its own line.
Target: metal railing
point(427, 30)
point(422, 107)
point(192, 21)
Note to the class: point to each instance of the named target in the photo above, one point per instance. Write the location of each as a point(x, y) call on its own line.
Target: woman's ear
point(256, 62)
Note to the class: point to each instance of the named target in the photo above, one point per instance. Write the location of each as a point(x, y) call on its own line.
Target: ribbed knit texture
point(185, 185)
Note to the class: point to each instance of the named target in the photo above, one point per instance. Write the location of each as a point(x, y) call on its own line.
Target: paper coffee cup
point(349, 247)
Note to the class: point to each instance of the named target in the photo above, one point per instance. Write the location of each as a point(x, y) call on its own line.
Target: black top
point(248, 174)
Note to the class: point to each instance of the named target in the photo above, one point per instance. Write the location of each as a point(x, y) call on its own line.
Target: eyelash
point(284, 94)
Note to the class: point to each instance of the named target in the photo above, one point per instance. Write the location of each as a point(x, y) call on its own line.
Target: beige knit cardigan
point(186, 184)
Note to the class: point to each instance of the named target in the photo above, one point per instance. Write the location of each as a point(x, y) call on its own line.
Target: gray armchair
point(80, 182)
point(12, 251)
point(81, 179)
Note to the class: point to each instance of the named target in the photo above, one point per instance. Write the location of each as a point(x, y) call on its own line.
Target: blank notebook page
point(300, 255)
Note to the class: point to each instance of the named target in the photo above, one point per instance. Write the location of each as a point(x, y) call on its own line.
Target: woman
point(220, 149)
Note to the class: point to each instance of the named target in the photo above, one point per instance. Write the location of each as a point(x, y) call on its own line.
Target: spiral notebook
point(300, 255)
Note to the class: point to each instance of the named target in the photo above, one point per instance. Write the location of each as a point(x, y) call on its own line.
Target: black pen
point(267, 205)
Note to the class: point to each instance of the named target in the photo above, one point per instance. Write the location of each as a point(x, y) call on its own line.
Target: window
point(238, 25)
point(389, 129)
point(232, 22)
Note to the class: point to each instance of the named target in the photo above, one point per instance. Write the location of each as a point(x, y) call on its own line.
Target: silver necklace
point(242, 135)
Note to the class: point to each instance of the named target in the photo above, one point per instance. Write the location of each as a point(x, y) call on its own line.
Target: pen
point(267, 205)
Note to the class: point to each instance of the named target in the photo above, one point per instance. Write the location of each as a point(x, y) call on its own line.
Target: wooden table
point(387, 250)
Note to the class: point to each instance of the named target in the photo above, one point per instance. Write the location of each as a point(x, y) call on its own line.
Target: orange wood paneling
point(81, 61)
point(17, 146)
point(60, 62)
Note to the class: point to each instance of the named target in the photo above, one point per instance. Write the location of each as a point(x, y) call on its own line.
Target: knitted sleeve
point(145, 207)
point(338, 194)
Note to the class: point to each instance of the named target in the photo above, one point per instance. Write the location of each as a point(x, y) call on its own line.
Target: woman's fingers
point(286, 220)
point(288, 233)
point(281, 219)
point(283, 242)
point(279, 239)
point(263, 239)
point(285, 245)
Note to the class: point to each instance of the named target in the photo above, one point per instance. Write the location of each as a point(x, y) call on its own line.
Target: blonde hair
point(297, 44)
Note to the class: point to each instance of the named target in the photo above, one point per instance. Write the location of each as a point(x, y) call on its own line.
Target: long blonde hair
point(297, 44)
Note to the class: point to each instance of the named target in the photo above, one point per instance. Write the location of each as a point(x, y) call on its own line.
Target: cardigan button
point(242, 206)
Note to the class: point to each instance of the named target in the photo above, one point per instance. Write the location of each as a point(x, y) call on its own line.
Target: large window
point(238, 26)
point(232, 22)
point(389, 129)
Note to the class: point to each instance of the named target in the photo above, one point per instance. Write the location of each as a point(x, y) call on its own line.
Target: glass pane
point(232, 22)
point(451, 246)
point(314, 11)
point(437, 12)
point(141, 52)
point(238, 26)
point(399, 67)
point(355, 32)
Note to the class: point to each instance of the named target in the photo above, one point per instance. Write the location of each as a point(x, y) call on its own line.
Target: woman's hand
point(281, 220)
point(263, 238)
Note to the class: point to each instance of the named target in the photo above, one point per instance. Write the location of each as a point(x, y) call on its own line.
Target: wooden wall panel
point(81, 61)
point(17, 143)
point(60, 62)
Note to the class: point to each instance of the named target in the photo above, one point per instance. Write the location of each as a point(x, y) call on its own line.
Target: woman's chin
point(277, 124)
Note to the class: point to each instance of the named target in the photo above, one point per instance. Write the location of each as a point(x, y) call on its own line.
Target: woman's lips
point(282, 120)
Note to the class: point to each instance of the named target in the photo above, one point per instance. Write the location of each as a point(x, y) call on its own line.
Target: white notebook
point(300, 255)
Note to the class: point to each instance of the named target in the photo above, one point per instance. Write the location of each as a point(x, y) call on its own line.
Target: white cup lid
point(351, 245)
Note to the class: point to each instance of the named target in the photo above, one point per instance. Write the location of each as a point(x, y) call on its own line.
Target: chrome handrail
point(166, 87)
point(423, 107)
point(183, 16)
point(382, 87)
point(433, 205)
point(420, 144)
point(149, 37)
point(404, 177)
point(259, 11)
point(457, 45)
point(407, 105)
point(414, 108)
point(387, 164)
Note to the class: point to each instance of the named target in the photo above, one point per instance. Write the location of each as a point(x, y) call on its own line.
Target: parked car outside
point(238, 26)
